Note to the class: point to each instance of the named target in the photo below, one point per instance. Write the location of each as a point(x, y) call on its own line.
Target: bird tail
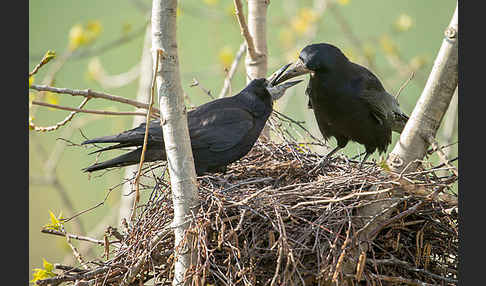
point(105, 139)
point(130, 158)
point(123, 141)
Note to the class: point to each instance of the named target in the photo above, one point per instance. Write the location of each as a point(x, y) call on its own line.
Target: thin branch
point(47, 57)
point(59, 124)
point(78, 237)
point(443, 157)
point(244, 30)
point(93, 94)
point(145, 138)
point(230, 74)
point(102, 112)
point(404, 84)
point(206, 91)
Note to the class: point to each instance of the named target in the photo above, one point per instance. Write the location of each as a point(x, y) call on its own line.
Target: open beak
point(275, 76)
point(296, 69)
point(279, 90)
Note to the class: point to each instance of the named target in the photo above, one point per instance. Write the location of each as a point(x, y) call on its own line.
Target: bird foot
point(321, 164)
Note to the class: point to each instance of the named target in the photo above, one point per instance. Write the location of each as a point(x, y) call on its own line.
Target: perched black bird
point(221, 131)
point(348, 100)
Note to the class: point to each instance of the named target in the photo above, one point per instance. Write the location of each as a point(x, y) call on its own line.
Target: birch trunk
point(256, 67)
point(143, 95)
point(257, 26)
point(431, 106)
point(173, 118)
point(450, 123)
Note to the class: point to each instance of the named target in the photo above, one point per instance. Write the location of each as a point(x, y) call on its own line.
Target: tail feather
point(117, 146)
point(104, 139)
point(130, 158)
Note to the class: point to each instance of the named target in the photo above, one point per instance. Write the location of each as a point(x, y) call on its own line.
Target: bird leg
point(324, 161)
point(364, 159)
point(332, 152)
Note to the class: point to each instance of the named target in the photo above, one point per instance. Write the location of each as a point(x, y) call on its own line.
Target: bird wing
point(373, 93)
point(221, 130)
point(376, 107)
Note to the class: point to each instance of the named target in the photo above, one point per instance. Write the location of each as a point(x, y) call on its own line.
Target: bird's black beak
point(276, 75)
point(296, 69)
point(279, 90)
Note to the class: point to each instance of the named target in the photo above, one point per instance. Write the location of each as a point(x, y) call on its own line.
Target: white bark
point(176, 134)
point(143, 95)
point(257, 26)
point(256, 66)
point(450, 123)
point(431, 106)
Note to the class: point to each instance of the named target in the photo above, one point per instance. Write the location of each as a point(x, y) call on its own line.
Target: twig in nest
point(435, 146)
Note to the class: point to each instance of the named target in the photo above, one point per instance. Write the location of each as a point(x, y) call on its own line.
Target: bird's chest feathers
point(334, 102)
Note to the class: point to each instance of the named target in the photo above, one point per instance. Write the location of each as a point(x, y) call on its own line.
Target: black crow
point(348, 100)
point(221, 131)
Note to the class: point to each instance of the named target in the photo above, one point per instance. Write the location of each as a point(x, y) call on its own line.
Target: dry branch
point(92, 94)
point(143, 95)
point(230, 74)
point(101, 112)
point(244, 30)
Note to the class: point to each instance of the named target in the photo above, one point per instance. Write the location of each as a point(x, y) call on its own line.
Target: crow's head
point(320, 57)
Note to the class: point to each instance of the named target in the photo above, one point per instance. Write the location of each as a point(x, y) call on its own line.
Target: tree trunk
point(173, 116)
point(450, 123)
point(431, 106)
point(256, 67)
point(143, 95)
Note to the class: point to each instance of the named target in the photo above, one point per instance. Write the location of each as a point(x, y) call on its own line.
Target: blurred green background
point(395, 38)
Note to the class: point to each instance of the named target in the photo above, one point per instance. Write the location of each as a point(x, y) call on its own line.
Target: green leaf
point(47, 266)
point(384, 165)
point(49, 55)
point(40, 274)
point(56, 222)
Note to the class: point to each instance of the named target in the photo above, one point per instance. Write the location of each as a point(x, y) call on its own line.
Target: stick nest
point(274, 218)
